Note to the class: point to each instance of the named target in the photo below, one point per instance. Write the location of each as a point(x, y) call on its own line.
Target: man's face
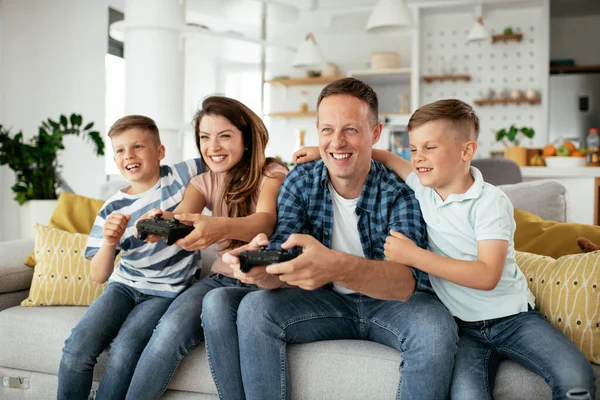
point(346, 136)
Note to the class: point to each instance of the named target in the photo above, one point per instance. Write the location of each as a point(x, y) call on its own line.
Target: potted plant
point(36, 166)
point(510, 137)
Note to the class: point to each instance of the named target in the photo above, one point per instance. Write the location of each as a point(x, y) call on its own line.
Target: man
point(339, 211)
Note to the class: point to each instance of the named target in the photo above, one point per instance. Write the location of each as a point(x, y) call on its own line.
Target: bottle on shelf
point(593, 148)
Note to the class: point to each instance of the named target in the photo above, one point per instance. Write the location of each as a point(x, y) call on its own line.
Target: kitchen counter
point(554, 172)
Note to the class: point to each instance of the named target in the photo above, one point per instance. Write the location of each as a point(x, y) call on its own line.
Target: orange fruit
point(577, 153)
point(549, 151)
point(570, 146)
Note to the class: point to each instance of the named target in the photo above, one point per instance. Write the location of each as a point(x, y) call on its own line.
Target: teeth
point(217, 158)
point(424, 169)
point(132, 166)
point(340, 156)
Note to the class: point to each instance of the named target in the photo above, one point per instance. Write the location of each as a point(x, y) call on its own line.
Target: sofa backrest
point(545, 198)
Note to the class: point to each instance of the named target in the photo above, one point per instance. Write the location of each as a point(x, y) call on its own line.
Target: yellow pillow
point(73, 213)
point(567, 293)
point(550, 238)
point(62, 273)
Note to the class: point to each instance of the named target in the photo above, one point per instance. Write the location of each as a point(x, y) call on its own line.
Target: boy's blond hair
point(459, 114)
point(135, 122)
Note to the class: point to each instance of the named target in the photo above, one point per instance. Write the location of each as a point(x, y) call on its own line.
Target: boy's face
point(138, 156)
point(346, 137)
point(439, 156)
point(221, 143)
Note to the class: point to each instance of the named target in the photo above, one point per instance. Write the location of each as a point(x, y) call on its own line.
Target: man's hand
point(306, 154)
point(315, 267)
point(257, 275)
point(400, 249)
point(150, 214)
point(207, 231)
point(114, 228)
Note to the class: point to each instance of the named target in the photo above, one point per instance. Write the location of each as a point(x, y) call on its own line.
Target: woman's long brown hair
point(241, 183)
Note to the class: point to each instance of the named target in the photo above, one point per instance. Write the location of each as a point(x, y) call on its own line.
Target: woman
point(240, 189)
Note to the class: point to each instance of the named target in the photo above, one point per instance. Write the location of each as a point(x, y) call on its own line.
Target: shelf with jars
point(447, 77)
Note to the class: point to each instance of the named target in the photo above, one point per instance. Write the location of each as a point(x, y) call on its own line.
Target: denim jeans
point(526, 338)
point(121, 317)
point(421, 328)
point(179, 330)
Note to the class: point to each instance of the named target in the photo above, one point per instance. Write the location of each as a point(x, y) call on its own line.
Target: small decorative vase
point(517, 154)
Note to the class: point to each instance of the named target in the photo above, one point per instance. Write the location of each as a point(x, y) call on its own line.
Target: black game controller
point(249, 259)
point(171, 229)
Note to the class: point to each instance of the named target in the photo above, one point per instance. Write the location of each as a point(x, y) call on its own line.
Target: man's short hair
point(135, 122)
point(355, 88)
point(458, 113)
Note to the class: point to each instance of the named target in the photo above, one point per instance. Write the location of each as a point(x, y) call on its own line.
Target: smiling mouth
point(423, 170)
point(217, 159)
point(340, 156)
point(131, 167)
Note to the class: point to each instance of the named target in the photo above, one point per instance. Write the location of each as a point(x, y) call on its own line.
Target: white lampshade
point(390, 15)
point(478, 32)
point(308, 54)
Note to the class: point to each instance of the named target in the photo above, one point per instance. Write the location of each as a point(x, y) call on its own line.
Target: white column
point(154, 67)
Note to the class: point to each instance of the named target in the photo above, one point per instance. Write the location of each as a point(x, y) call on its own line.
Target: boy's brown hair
point(458, 113)
point(135, 122)
point(355, 88)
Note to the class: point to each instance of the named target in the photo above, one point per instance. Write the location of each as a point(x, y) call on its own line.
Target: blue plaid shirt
point(304, 206)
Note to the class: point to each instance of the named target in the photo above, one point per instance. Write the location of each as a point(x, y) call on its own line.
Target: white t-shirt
point(454, 227)
point(345, 236)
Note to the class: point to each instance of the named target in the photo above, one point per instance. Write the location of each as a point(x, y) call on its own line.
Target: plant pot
point(516, 154)
point(35, 212)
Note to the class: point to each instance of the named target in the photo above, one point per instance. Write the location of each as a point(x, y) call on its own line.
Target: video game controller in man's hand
point(249, 259)
point(171, 230)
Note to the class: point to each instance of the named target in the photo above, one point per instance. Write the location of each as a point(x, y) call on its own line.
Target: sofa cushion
point(14, 276)
point(62, 274)
point(550, 238)
point(545, 198)
point(66, 219)
point(567, 293)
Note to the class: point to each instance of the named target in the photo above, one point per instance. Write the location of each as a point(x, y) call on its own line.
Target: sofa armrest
point(14, 275)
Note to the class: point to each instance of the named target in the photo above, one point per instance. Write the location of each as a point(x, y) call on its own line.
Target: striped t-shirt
point(151, 268)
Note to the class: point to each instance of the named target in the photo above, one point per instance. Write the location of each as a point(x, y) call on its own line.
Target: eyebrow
point(218, 133)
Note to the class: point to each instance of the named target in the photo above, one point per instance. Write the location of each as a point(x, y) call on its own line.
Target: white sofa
point(31, 340)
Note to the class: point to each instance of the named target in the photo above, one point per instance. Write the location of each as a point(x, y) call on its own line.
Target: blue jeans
point(121, 317)
point(420, 328)
point(526, 338)
point(178, 331)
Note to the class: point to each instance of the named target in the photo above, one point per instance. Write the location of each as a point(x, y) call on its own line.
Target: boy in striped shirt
point(147, 277)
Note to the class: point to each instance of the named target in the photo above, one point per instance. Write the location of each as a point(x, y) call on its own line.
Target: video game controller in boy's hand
point(249, 259)
point(171, 229)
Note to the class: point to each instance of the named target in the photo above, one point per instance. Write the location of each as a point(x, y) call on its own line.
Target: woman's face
point(221, 143)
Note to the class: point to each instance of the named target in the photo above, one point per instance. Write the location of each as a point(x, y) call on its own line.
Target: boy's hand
point(150, 214)
point(400, 249)
point(312, 269)
point(257, 275)
point(306, 154)
point(114, 228)
point(207, 231)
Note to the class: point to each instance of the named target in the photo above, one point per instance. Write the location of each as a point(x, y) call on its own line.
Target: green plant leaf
point(88, 126)
point(63, 121)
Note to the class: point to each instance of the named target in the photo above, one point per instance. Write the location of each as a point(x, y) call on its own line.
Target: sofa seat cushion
point(14, 275)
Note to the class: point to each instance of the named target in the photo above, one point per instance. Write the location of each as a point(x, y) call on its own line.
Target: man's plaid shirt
point(304, 206)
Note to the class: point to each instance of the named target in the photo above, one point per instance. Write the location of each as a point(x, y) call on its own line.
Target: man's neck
point(348, 188)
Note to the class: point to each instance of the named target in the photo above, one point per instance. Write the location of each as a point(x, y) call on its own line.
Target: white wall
point(52, 62)
point(576, 38)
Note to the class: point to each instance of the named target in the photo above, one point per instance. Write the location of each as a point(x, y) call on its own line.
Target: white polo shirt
point(454, 227)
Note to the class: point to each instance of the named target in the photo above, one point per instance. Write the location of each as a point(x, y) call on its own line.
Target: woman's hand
point(257, 275)
point(306, 154)
point(207, 231)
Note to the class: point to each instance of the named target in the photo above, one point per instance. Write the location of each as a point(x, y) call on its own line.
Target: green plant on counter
point(35, 163)
point(508, 30)
point(513, 135)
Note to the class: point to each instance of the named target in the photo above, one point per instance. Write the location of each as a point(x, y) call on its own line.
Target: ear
point(377, 132)
point(161, 152)
point(469, 149)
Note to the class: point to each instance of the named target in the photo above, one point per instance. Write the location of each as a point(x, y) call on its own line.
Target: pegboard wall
point(498, 67)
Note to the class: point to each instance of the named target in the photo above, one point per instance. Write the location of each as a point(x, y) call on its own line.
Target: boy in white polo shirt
point(471, 259)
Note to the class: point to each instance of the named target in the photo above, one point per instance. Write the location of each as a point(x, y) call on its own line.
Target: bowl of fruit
point(564, 156)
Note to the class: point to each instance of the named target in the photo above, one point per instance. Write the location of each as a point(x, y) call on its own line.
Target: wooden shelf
point(489, 102)
point(571, 69)
point(386, 76)
point(293, 114)
point(517, 37)
point(446, 77)
point(321, 80)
